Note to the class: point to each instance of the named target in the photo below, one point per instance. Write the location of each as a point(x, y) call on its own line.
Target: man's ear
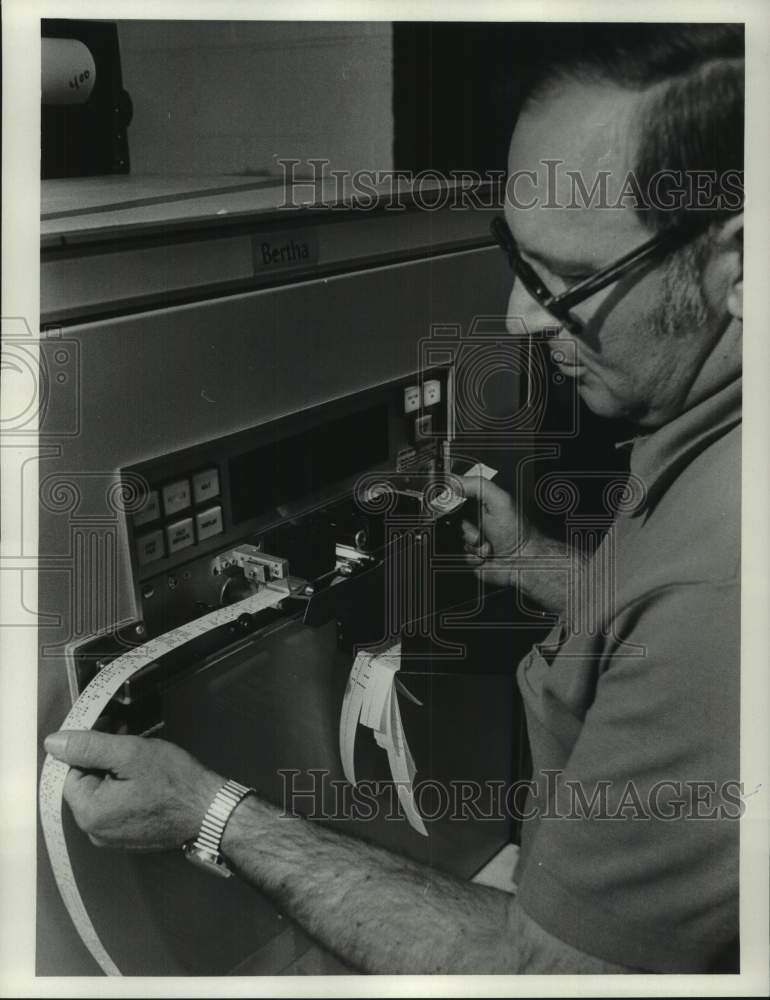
point(730, 240)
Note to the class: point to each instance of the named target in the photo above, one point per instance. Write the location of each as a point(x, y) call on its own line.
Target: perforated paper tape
point(371, 700)
point(84, 714)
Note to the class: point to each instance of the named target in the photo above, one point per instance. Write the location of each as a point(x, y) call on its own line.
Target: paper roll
point(371, 700)
point(69, 71)
point(83, 715)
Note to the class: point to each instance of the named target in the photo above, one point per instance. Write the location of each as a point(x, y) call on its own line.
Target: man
point(640, 705)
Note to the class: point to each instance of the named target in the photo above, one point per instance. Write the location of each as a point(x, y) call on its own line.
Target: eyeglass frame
point(559, 306)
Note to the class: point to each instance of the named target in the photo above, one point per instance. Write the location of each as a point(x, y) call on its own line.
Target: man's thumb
point(85, 749)
point(487, 493)
point(472, 486)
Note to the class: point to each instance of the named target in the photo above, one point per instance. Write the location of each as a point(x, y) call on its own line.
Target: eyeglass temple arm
point(519, 266)
point(596, 282)
point(503, 237)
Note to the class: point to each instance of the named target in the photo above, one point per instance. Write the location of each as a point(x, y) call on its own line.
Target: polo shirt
point(632, 700)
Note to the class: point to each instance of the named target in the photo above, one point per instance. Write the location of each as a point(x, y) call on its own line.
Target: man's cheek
point(600, 398)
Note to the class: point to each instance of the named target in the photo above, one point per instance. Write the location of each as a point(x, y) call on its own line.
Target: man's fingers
point(489, 494)
point(78, 792)
point(79, 785)
point(89, 750)
point(474, 545)
point(472, 486)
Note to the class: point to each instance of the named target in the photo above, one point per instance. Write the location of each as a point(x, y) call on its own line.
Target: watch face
point(210, 862)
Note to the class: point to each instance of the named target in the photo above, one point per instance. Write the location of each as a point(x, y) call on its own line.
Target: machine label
point(283, 251)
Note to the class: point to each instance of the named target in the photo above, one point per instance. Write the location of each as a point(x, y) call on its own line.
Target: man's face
point(645, 337)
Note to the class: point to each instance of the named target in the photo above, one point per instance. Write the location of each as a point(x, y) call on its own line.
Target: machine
point(243, 387)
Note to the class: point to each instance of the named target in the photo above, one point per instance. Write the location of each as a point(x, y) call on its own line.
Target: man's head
point(629, 133)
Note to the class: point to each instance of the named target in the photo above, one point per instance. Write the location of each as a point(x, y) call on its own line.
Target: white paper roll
point(69, 71)
point(84, 713)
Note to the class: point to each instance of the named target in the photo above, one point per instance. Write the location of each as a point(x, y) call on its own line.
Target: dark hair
point(692, 118)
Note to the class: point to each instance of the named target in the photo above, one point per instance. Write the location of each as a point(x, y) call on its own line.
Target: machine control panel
point(168, 521)
point(210, 512)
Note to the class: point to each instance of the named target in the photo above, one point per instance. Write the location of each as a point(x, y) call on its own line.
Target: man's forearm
point(382, 913)
point(543, 570)
point(379, 912)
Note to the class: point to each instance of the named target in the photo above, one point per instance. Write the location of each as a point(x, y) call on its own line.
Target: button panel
point(183, 512)
point(176, 496)
point(185, 515)
point(205, 485)
point(149, 547)
point(180, 535)
point(209, 523)
point(150, 511)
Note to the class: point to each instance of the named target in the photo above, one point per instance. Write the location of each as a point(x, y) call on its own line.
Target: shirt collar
point(658, 458)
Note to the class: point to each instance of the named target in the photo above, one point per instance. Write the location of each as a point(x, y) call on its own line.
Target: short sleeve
point(635, 854)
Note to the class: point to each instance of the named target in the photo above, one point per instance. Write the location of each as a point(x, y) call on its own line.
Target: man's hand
point(492, 545)
point(133, 793)
point(506, 550)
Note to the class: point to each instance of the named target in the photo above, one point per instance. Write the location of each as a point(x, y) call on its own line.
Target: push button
point(150, 510)
point(149, 547)
point(205, 485)
point(179, 535)
point(412, 398)
point(423, 428)
point(176, 496)
point(431, 392)
point(209, 522)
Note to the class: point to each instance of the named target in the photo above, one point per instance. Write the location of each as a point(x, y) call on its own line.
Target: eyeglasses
point(559, 305)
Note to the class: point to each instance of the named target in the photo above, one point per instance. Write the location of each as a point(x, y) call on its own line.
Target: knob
point(235, 587)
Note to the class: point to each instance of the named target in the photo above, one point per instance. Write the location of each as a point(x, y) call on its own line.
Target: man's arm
point(385, 914)
point(379, 912)
point(507, 551)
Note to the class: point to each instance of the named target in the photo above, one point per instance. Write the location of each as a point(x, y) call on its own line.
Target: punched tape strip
point(371, 700)
point(84, 713)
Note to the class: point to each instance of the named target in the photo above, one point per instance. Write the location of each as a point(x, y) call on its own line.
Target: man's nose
point(522, 308)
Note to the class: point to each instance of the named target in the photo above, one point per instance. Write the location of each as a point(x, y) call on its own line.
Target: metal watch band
point(205, 849)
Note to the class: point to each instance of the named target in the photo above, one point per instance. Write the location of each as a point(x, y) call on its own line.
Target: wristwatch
point(204, 851)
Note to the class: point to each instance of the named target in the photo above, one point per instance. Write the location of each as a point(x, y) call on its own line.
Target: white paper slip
point(449, 500)
point(446, 501)
point(479, 469)
point(371, 699)
point(84, 713)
